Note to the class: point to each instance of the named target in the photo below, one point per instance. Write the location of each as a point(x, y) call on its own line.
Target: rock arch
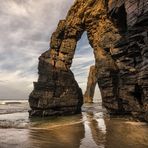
point(57, 92)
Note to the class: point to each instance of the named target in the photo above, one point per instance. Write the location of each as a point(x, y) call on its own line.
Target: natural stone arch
point(48, 96)
point(53, 95)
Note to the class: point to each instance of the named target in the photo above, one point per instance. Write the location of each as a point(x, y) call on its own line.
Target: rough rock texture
point(118, 32)
point(91, 84)
point(56, 92)
point(130, 54)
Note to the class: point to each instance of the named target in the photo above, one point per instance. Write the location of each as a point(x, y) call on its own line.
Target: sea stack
point(117, 31)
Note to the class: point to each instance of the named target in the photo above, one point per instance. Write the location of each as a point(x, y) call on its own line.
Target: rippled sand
point(91, 129)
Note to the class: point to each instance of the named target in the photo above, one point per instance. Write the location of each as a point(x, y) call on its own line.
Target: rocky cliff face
point(56, 92)
point(118, 32)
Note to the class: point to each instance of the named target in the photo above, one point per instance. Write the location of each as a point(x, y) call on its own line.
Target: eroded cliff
point(118, 33)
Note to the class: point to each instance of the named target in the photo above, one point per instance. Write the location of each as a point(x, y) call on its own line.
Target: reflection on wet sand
point(103, 132)
point(61, 137)
point(95, 130)
point(122, 133)
point(92, 129)
point(89, 132)
point(14, 138)
point(60, 132)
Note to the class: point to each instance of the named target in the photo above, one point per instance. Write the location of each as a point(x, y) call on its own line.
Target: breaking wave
point(6, 102)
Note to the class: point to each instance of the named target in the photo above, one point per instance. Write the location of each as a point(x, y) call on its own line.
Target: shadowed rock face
point(56, 92)
point(91, 84)
point(117, 31)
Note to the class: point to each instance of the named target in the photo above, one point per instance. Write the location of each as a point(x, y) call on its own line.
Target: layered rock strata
point(91, 84)
point(56, 92)
point(118, 33)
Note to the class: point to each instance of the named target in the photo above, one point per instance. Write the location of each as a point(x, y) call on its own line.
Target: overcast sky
point(25, 30)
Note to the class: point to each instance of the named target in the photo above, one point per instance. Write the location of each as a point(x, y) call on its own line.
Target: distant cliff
point(117, 30)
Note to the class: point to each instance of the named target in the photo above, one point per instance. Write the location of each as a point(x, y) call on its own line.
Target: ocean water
point(93, 128)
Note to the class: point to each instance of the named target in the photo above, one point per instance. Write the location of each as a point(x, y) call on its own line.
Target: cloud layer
point(25, 30)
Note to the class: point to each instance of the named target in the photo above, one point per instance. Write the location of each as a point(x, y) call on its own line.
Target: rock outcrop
point(56, 92)
point(118, 32)
point(91, 84)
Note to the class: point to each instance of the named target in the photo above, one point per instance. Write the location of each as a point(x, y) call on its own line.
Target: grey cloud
point(83, 59)
point(25, 30)
point(2, 81)
point(9, 92)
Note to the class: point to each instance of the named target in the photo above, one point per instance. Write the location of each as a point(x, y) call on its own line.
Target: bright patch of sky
point(25, 30)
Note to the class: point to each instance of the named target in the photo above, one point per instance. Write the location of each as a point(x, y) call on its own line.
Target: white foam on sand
point(3, 102)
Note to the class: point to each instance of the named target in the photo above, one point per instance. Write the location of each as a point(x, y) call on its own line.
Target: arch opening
point(81, 67)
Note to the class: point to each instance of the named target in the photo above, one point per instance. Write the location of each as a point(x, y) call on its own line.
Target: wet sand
point(91, 129)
